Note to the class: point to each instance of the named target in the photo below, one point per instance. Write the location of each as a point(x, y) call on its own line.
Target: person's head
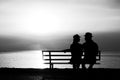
point(88, 36)
point(76, 38)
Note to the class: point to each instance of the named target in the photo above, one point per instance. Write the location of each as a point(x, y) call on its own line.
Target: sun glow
point(43, 20)
point(40, 22)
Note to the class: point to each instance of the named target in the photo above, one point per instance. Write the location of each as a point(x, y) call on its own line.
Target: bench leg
point(51, 66)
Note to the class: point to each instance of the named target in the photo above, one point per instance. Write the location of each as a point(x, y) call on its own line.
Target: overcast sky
point(44, 23)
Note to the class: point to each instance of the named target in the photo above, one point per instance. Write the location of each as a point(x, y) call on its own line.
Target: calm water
point(34, 59)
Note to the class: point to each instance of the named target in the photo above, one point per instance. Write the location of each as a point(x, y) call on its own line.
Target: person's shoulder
point(80, 44)
point(72, 44)
point(95, 44)
point(84, 43)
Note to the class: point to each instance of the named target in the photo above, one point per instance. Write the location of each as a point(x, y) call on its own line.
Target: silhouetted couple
point(89, 48)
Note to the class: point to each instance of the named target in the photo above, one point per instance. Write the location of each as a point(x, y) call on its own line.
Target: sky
point(50, 24)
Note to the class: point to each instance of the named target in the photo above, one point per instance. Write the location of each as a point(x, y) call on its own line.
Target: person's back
point(90, 50)
point(76, 52)
point(76, 49)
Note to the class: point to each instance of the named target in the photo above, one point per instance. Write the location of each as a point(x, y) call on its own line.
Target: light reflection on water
point(34, 59)
point(24, 59)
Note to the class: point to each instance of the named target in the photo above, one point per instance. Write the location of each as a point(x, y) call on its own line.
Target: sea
point(35, 59)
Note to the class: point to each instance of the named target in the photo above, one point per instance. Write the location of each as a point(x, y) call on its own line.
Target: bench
point(52, 57)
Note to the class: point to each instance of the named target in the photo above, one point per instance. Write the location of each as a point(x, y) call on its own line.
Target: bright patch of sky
point(44, 17)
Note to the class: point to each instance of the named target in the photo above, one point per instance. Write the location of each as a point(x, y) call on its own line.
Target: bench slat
point(61, 55)
point(64, 63)
point(56, 59)
point(60, 59)
point(57, 55)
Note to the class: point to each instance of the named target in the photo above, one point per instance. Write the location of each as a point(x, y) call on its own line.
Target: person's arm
point(97, 50)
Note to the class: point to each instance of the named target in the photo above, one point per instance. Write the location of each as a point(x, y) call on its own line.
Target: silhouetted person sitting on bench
point(90, 50)
point(76, 52)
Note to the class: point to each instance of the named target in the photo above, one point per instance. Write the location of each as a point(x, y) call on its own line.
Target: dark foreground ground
point(59, 74)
